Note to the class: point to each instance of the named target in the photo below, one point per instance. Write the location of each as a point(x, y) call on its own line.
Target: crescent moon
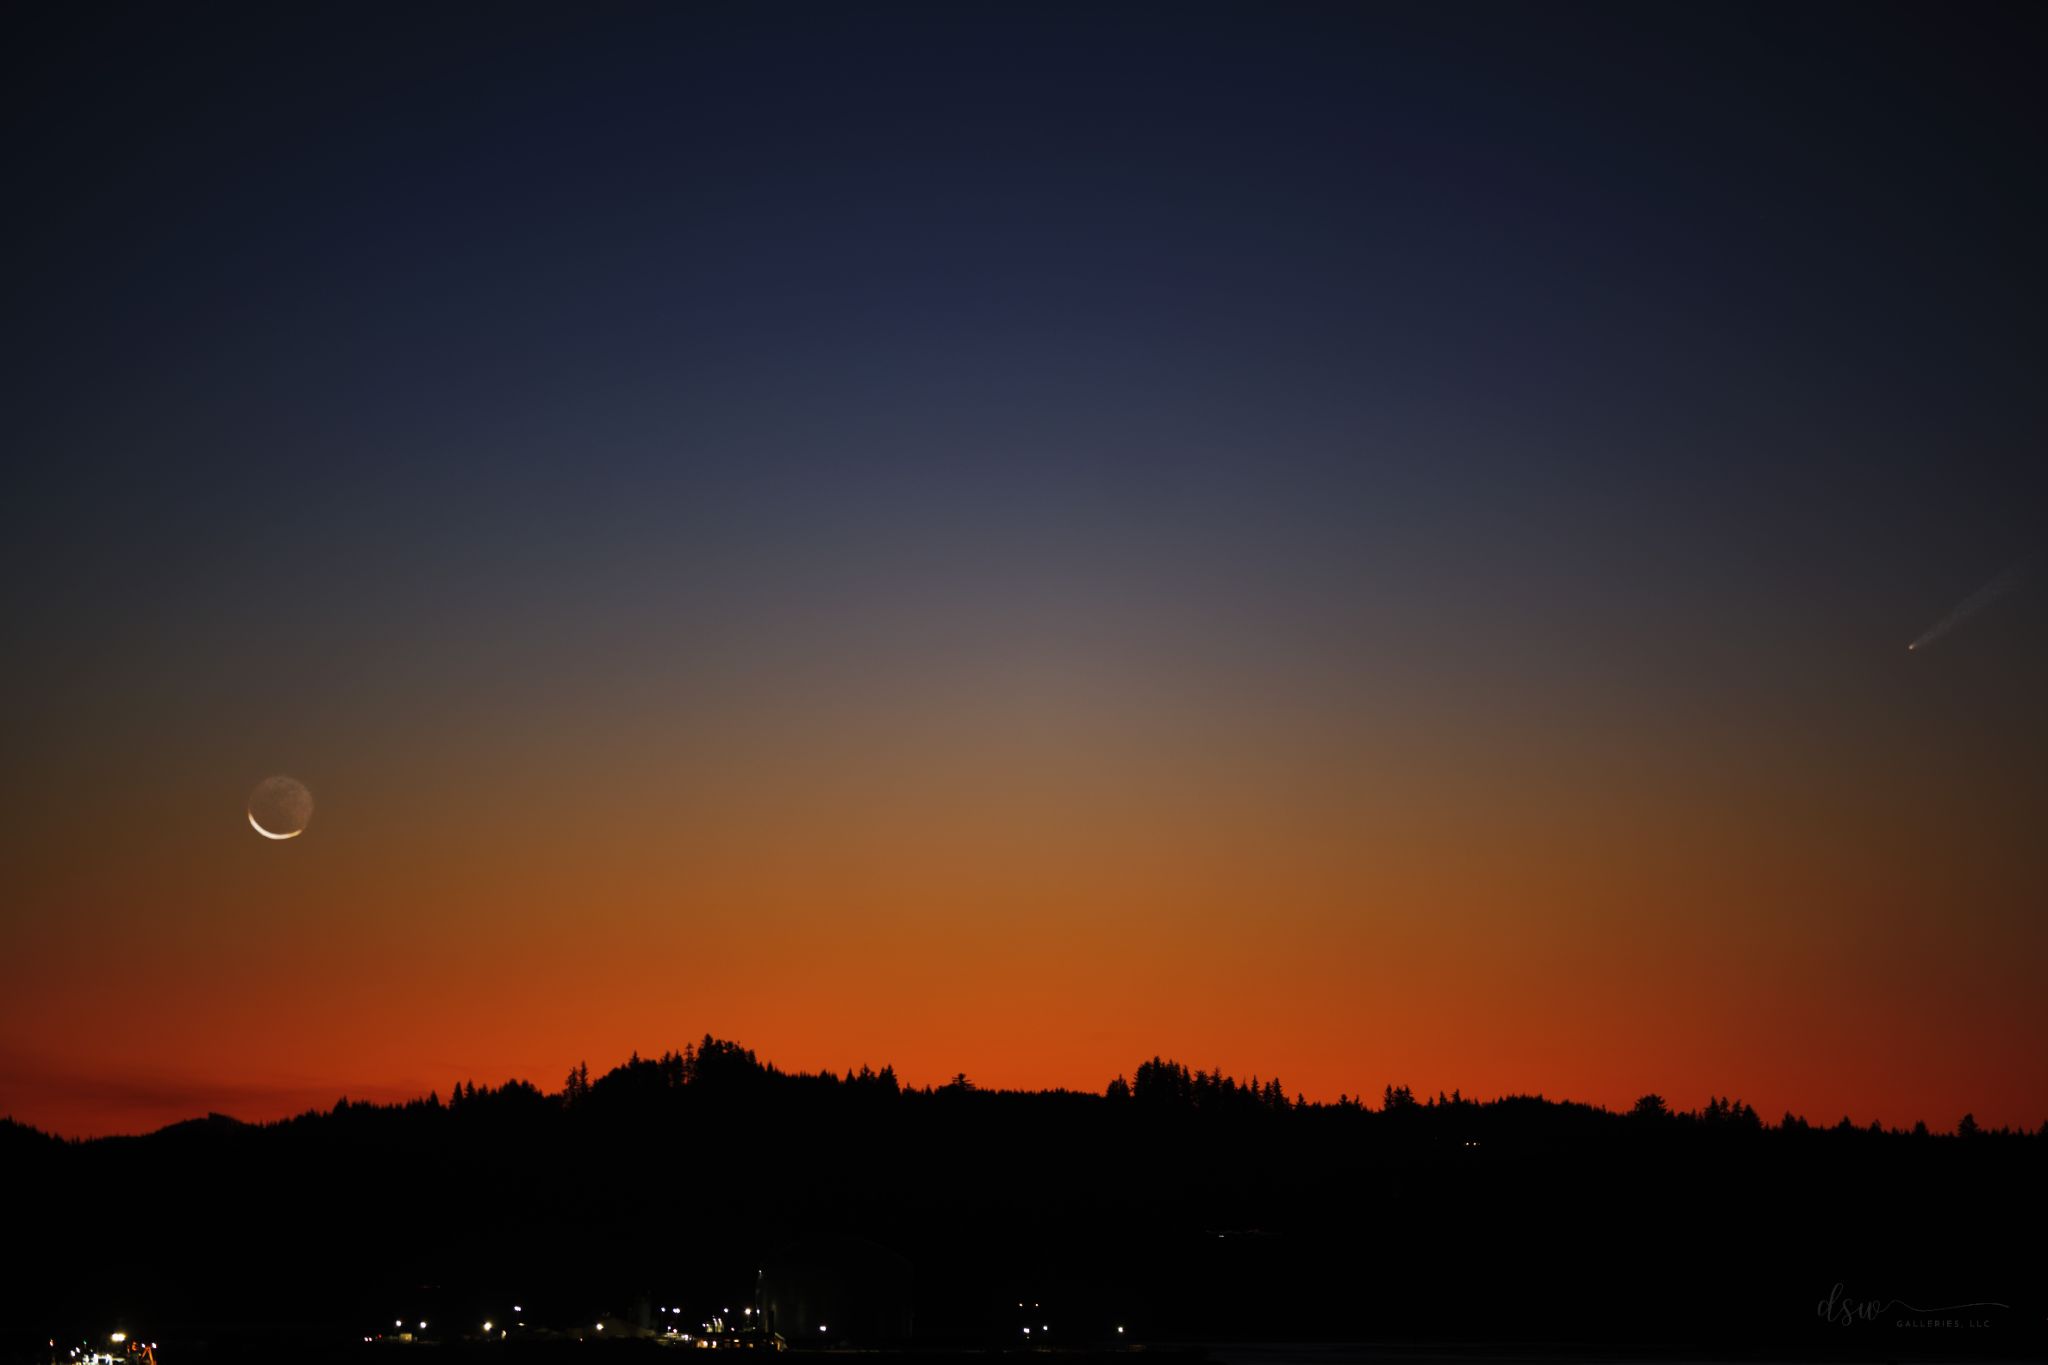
point(268, 835)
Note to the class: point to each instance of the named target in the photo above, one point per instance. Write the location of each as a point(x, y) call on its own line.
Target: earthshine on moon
point(280, 808)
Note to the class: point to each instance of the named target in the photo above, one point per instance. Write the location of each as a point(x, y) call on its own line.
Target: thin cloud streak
point(137, 1103)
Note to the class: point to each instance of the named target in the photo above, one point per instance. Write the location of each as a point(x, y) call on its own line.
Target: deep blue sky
point(1744, 272)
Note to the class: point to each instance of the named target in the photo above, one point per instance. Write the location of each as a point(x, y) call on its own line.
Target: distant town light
point(821, 1327)
point(1119, 1331)
point(600, 1327)
point(487, 1326)
point(119, 1337)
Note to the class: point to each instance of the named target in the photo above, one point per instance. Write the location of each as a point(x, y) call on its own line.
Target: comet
point(1971, 605)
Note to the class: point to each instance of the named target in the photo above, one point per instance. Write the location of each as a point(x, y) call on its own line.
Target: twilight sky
point(1373, 543)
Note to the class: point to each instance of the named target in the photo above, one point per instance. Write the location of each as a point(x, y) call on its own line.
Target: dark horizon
point(1178, 1208)
point(1215, 1085)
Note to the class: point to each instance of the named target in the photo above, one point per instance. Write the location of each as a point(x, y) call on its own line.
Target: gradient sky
point(1372, 543)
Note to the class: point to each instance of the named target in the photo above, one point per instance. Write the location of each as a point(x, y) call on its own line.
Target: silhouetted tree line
point(1165, 1084)
point(716, 1068)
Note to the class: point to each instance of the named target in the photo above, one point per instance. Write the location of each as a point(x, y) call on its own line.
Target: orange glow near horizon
point(1341, 909)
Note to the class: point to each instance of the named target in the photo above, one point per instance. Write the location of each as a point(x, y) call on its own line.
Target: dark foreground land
point(1182, 1209)
point(1336, 1353)
point(233, 1349)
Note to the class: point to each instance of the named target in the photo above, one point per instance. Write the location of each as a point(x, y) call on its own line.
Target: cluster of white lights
point(398, 1324)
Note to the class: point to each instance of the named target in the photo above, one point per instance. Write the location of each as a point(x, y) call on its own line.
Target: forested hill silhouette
point(1177, 1203)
